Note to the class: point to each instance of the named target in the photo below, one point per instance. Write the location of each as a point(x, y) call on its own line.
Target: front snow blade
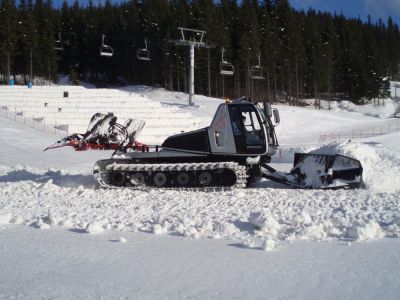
point(327, 171)
point(320, 171)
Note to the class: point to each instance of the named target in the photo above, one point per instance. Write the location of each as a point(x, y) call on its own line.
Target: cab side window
point(252, 127)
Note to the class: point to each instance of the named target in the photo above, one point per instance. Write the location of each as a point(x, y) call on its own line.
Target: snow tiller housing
point(233, 151)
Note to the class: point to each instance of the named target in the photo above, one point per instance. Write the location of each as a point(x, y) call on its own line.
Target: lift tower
point(192, 38)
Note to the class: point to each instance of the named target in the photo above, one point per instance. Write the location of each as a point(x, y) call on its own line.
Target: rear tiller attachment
point(104, 133)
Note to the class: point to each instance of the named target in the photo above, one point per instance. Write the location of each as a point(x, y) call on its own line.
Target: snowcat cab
point(237, 129)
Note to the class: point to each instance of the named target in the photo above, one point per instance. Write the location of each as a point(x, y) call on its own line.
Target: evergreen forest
point(301, 54)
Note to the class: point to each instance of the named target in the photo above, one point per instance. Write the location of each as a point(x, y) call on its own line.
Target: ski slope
point(93, 231)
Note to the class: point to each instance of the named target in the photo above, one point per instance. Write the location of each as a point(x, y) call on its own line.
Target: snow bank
point(385, 108)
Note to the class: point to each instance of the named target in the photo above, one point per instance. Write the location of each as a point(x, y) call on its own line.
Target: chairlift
point(59, 43)
point(105, 50)
point(226, 68)
point(144, 53)
point(256, 72)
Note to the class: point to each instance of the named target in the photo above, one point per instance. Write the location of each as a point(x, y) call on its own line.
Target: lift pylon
point(192, 38)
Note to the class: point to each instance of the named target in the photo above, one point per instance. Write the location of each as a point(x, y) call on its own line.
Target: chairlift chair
point(256, 72)
point(59, 43)
point(226, 68)
point(105, 50)
point(144, 53)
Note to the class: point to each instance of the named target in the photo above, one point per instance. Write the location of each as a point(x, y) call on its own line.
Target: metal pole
point(209, 72)
point(223, 86)
point(49, 72)
point(8, 68)
point(275, 91)
point(31, 73)
point(191, 78)
point(179, 82)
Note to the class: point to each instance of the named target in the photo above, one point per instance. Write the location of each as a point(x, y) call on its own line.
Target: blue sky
point(355, 8)
point(352, 8)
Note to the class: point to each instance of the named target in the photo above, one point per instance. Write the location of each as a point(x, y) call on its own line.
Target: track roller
point(183, 178)
point(160, 179)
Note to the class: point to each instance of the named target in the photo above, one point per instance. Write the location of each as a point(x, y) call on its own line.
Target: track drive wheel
point(118, 178)
point(138, 179)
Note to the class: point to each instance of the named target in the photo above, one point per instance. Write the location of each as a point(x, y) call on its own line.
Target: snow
point(382, 109)
point(63, 264)
point(366, 231)
point(196, 244)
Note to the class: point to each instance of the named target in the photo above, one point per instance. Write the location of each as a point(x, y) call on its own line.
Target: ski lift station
point(395, 90)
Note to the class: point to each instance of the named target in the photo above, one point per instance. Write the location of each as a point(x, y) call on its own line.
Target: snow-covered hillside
point(55, 190)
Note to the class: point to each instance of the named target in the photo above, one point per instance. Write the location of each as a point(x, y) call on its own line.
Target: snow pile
point(366, 231)
point(266, 224)
point(96, 226)
point(5, 218)
point(158, 229)
point(40, 224)
point(268, 245)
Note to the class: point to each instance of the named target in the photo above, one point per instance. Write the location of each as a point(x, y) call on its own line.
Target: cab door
point(220, 133)
point(248, 130)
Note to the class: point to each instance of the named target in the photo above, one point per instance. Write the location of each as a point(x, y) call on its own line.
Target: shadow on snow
point(56, 177)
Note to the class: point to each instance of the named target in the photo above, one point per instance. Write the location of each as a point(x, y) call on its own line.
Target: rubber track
point(102, 168)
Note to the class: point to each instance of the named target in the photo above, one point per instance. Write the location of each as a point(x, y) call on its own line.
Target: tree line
point(302, 54)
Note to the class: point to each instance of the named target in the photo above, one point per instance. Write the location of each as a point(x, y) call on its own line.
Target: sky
point(355, 8)
point(351, 8)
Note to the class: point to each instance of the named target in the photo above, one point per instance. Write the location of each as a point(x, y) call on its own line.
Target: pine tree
point(8, 36)
point(303, 54)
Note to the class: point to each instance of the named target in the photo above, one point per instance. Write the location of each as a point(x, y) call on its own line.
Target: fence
point(38, 123)
point(390, 127)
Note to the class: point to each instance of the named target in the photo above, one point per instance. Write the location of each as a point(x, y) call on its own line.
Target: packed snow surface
point(62, 264)
point(56, 189)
